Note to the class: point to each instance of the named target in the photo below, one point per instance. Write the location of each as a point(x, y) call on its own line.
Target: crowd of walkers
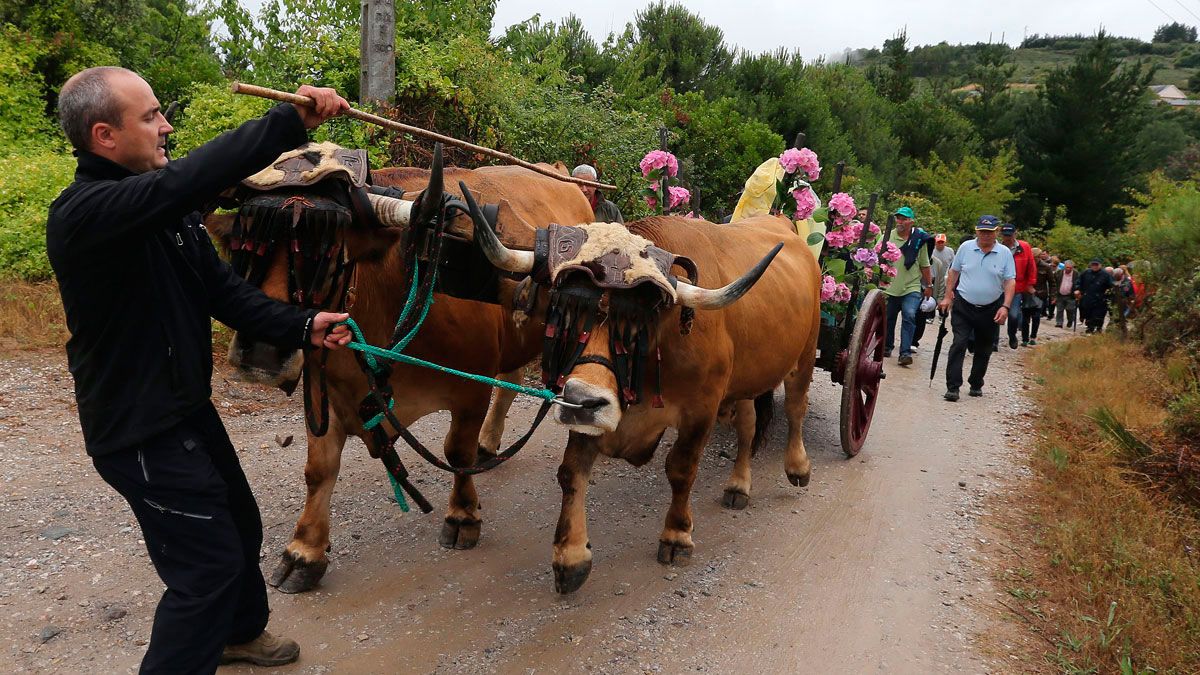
point(992, 282)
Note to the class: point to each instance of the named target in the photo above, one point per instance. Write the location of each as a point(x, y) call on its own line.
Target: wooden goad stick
point(276, 95)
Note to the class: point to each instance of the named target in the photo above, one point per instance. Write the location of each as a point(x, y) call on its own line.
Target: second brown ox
point(736, 351)
point(470, 336)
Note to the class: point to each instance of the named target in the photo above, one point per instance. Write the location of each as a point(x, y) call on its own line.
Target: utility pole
point(377, 51)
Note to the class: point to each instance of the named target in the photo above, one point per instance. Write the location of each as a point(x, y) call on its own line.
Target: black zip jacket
point(140, 279)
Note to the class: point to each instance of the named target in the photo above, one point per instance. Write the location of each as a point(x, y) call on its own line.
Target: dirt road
point(878, 566)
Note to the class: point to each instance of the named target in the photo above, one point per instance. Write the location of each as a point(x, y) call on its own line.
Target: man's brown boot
point(264, 650)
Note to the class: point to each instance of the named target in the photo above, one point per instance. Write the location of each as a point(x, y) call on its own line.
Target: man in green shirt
point(912, 282)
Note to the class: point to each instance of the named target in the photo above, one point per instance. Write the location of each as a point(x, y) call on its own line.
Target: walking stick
point(276, 95)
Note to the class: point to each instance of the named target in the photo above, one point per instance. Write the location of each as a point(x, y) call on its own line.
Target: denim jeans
point(1015, 314)
point(906, 306)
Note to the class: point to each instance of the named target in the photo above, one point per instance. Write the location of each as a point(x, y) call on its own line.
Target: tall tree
point(893, 79)
point(1078, 145)
point(668, 45)
point(1175, 32)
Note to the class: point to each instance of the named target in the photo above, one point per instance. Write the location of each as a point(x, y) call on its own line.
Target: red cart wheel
point(863, 371)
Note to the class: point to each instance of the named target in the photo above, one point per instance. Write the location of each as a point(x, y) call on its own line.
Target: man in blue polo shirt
point(980, 286)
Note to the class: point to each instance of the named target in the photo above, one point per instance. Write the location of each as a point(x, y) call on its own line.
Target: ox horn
point(500, 255)
point(429, 203)
point(704, 298)
point(390, 211)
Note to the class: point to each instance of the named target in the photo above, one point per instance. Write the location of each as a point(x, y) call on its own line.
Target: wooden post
point(801, 139)
point(662, 138)
point(377, 51)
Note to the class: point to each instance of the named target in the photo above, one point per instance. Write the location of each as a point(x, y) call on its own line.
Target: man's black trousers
point(967, 320)
point(203, 532)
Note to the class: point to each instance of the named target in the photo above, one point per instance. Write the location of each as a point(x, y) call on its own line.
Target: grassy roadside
point(31, 316)
point(1113, 582)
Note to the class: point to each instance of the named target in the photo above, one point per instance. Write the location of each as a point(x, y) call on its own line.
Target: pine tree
point(1078, 143)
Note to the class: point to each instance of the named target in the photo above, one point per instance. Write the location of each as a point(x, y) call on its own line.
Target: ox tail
point(764, 410)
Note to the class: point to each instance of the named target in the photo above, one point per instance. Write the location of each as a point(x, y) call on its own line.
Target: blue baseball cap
point(987, 223)
point(906, 212)
point(1008, 228)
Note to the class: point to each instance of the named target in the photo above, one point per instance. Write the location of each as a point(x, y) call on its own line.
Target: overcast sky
point(822, 28)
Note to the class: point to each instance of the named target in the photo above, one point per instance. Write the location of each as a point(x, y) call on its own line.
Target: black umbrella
point(937, 348)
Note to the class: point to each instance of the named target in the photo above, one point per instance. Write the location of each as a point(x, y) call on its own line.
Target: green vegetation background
point(1060, 136)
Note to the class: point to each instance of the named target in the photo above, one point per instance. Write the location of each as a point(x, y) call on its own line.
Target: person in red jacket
point(1026, 280)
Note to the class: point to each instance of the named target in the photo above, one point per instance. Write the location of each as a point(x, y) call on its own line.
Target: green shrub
point(31, 180)
point(1183, 415)
point(209, 110)
point(22, 108)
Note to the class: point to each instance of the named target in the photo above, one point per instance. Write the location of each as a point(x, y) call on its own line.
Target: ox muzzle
point(262, 363)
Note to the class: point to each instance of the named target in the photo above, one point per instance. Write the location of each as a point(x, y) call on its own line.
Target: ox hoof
point(293, 574)
point(460, 534)
point(671, 553)
point(797, 480)
point(735, 499)
point(568, 579)
point(484, 455)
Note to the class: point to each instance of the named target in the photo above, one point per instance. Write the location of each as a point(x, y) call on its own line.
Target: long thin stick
point(276, 95)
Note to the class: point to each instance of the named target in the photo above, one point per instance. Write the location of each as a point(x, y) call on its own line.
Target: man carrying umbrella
point(980, 287)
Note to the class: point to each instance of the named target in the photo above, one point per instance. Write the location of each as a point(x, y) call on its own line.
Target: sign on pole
point(377, 78)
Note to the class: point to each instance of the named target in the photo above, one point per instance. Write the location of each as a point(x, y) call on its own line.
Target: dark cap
point(989, 223)
point(1008, 228)
point(1096, 261)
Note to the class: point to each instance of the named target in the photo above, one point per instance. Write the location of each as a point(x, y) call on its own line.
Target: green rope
point(360, 344)
point(372, 354)
point(399, 493)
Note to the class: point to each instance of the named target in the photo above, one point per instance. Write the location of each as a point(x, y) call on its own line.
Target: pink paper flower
point(790, 159)
point(888, 270)
point(891, 254)
point(810, 163)
point(854, 231)
point(875, 229)
point(828, 288)
point(678, 196)
point(806, 203)
point(843, 204)
point(659, 159)
point(835, 239)
point(841, 293)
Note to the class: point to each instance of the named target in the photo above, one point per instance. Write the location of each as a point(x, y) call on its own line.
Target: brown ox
point(469, 336)
point(730, 356)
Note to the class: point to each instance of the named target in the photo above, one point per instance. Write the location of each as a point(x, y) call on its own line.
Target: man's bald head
point(89, 98)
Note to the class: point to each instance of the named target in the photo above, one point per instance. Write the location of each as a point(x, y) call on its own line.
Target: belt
point(985, 305)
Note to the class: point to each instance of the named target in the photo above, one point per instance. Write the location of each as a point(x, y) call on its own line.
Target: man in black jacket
point(140, 281)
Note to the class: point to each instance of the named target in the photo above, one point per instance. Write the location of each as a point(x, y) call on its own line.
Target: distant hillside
point(1175, 62)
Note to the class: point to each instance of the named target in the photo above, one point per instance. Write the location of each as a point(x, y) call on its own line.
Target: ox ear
point(512, 229)
point(219, 226)
point(370, 244)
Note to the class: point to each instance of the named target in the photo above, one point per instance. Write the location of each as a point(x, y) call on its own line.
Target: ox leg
point(675, 545)
point(462, 525)
point(737, 490)
point(304, 561)
point(493, 424)
point(796, 463)
point(572, 560)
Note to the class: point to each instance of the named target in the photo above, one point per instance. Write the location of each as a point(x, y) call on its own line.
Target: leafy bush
point(560, 124)
point(22, 108)
point(32, 179)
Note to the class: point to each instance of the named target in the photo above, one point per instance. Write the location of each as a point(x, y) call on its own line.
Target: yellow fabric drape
point(759, 194)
